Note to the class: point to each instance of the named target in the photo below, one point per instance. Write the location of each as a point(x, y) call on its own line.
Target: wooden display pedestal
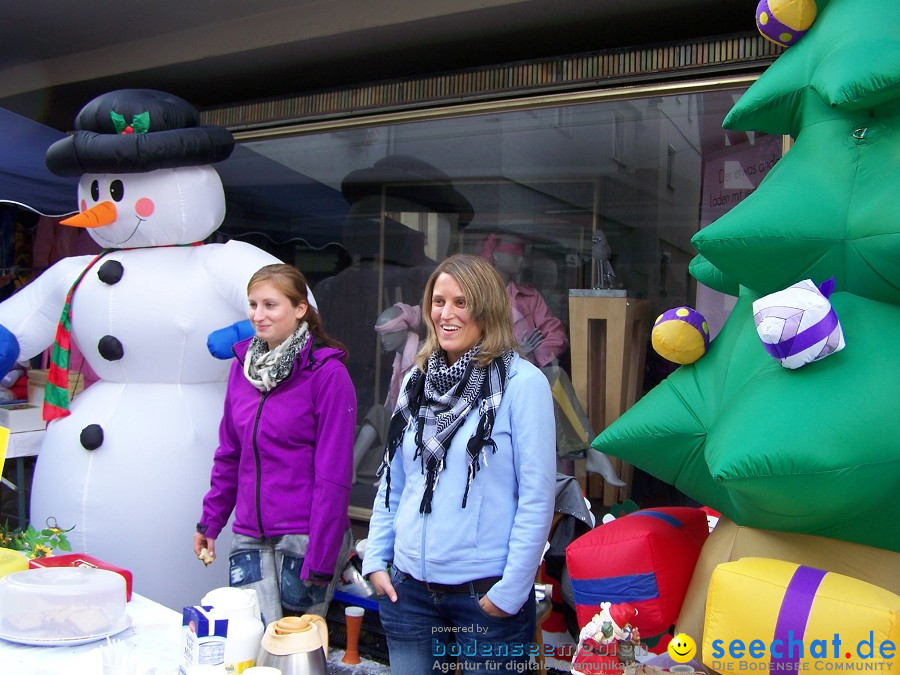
point(608, 339)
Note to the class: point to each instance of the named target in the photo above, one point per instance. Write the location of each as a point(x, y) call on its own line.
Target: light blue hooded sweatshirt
point(504, 526)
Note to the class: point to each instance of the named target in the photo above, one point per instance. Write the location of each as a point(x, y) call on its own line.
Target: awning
point(24, 179)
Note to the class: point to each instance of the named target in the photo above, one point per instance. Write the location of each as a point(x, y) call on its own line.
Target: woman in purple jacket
point(285, 454)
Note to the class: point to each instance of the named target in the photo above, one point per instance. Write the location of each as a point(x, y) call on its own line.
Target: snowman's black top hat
point(137, 130)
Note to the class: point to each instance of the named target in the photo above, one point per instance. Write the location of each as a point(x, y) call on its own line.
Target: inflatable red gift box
point(645, 558)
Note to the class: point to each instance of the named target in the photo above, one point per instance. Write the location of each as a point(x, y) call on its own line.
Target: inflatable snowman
point(129, 463)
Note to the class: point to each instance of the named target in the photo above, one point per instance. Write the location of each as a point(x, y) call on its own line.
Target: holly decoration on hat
point(140, 123)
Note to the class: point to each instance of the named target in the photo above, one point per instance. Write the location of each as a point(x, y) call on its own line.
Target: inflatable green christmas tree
point(814, 450)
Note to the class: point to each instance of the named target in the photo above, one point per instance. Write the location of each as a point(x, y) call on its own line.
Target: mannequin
point(350, 299)
point(383, 234)
point(541, 335)
point(398, 326)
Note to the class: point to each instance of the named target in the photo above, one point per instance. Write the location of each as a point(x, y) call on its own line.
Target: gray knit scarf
point(264, 368)
point(448, 394)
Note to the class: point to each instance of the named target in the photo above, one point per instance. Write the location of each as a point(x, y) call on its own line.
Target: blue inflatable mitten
point(9, 350)
point(220, 342)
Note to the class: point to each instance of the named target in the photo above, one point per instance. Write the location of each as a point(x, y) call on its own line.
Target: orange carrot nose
point(102, 214)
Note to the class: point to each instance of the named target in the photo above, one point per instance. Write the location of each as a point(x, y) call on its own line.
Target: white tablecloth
point(152, 643)
point(24, 444)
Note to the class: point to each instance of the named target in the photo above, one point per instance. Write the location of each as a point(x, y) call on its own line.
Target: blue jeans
point(271, 567)
point(426, 630)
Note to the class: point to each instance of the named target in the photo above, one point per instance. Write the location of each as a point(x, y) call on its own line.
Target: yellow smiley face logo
point(682, 648)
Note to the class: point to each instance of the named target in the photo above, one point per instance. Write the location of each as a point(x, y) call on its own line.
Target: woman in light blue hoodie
point(466, 497)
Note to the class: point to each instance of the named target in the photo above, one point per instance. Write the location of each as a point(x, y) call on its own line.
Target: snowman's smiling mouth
point(121, 241)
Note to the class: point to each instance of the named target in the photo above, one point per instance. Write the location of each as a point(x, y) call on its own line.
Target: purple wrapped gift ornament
point(798, 325)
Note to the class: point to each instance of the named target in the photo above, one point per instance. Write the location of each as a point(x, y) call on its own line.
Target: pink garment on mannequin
point(409, 320)
point(530, 311)
point(492, 243)
point(529, 308)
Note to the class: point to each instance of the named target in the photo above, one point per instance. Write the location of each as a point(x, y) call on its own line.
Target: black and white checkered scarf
point(439, 399)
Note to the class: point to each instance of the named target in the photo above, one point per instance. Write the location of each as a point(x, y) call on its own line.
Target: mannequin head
point(398, 327)
point(395, 340)
point(507, 253)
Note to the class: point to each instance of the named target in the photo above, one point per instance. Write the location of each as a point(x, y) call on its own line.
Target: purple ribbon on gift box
point(793, 616)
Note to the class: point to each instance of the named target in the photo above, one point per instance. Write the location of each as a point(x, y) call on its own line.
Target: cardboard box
point(203, 638)
point(84, 560)
point(21, 417)
point(37, 380)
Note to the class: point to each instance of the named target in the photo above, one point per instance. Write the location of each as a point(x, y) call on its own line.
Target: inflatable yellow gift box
point(777, 616)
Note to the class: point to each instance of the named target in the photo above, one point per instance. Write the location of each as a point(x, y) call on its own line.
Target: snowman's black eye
point(116, 190)
point(95, 190)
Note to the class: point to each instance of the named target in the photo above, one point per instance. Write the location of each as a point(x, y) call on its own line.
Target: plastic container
point(85, 560)
point(61, 603)
point(245, 627)
point(207, 670)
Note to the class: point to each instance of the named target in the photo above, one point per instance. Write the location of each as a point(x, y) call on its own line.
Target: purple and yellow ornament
point(680, 335)
point(784, 22)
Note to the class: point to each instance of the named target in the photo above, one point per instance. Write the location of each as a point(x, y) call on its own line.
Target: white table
point(153, 643)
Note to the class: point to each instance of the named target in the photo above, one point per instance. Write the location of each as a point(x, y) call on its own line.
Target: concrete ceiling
point(55, 55)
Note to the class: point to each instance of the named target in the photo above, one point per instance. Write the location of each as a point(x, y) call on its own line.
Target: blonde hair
point(486, 302)
point(290, 281)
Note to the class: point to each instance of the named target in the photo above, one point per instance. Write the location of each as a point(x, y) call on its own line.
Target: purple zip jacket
point(285, 457)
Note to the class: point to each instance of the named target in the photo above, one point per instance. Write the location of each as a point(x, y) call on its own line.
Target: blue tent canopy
point(24, 179)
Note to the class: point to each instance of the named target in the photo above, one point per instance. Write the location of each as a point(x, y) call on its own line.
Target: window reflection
point(366, 213)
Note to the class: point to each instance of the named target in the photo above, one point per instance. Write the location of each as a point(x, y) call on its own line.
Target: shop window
point(366, 212)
